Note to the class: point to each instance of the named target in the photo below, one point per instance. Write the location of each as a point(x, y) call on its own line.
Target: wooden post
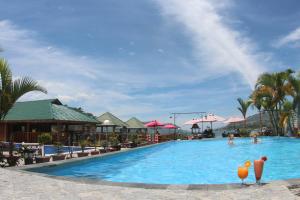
point(57, 133)
point(5, 132)
point(27, 132)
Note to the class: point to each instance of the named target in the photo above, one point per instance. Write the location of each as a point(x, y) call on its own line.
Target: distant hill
point(253, 122)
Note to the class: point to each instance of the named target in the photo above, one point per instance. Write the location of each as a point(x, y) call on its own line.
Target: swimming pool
point(189, 162)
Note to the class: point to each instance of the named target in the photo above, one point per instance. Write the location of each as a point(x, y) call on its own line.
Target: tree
point(244, 105)
point(258, 103)
point(273, 89)
point(11, 90)
point(285, 115)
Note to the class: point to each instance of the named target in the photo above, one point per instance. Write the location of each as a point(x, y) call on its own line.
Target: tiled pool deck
point(15, 183)
point(21, 185)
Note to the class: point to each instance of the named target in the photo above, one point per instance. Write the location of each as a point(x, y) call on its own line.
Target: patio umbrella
point(154, 123)
point(212, 118)
point(170, 126)
point(193, 121)
point(234, 120)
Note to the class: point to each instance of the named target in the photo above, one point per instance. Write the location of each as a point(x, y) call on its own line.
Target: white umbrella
point(212, 118)
point(234, 120)
point(193, 121)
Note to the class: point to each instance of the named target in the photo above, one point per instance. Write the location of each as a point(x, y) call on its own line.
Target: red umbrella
point(154, 124)
point(170, 126)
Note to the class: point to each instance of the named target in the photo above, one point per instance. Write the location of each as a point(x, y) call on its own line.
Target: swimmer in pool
point(230, 138)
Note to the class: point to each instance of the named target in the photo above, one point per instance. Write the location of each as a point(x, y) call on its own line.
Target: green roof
point(113, 120)
point(49, 109)
point(135, 123)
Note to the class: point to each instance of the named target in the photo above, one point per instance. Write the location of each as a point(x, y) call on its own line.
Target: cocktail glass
point(258, 170)
point(243, 173)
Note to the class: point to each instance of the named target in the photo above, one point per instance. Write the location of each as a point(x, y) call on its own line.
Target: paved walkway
point(19, 185)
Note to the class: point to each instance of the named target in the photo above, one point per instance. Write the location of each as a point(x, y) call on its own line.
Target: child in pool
point(255, 139)
point(230, 139)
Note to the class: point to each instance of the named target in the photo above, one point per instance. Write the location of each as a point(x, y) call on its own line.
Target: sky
point(149, 58)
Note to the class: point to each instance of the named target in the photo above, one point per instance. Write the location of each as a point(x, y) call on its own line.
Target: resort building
point(27, 120)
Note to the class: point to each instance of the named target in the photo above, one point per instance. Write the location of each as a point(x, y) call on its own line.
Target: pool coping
point(205, 187)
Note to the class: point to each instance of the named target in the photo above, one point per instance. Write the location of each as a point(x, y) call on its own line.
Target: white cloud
point(292, 38)
point(218, 48)
point(99, 85)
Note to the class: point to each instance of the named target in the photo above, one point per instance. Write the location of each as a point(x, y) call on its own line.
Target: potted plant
point(44, 138)
point(59, 155)
point(103, 144)
point(27, 154)
point(95, 152)
point(83, 144)
point(114, 142)
point(134, 140)
point(8, 160)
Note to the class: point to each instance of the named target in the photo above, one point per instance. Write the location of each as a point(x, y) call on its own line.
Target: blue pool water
point(50, 149)
point(189, 162)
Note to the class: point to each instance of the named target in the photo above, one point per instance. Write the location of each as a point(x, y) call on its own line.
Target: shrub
point(44, 138)
point(244, 132)
point(134, 138)
point(83, 144)
point(104, 144)
point(113, 140)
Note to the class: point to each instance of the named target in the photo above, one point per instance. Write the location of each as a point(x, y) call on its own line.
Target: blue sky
point(148, 58)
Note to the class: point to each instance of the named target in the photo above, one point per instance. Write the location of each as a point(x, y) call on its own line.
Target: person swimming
point(255, 139)
point(230, 139)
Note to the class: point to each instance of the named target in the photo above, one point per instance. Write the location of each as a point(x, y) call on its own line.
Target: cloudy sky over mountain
point(148, 58)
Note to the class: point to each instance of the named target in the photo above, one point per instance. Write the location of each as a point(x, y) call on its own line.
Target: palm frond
point(23, 86)
point(6, 75)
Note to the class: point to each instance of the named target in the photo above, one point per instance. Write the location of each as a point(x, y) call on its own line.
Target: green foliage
point(244, 132)
point(44, 138)
point(104, 144)
point(11, 90)
point(83, 143)
point(133, 137)
point(244, 105)
point(113, 139)
point(273, 92)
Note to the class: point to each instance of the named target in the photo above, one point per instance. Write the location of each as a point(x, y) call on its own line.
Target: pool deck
point(15, 184)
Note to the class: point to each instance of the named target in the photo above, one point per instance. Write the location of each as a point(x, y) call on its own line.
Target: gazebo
point(111, 124)
point(136, 126)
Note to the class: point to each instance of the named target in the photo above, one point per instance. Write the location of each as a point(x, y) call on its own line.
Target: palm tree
point(273, 89)
point(285, 115)
point(244, 105)
point(257, 102)
point(11, 90)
